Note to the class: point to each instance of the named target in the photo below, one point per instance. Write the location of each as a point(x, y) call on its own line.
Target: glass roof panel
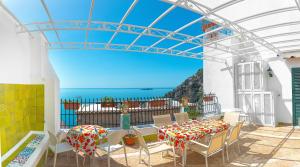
point(145, 12)
point(269, 20)
point(23, 10)
point(77, 10)
point(171, 21)
point(212, 3)
point(285, 29)
point(252, 7)
point(110, 10)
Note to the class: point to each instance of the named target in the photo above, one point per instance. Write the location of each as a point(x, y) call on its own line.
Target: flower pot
point(71, 105)
point(130, 140)
point(208, 98)
point(108, 104)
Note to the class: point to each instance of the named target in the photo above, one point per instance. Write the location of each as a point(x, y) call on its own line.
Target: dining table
point(85, 138)
point(179, 135)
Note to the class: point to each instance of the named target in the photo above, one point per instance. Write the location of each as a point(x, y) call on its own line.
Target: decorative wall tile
point(21, 110)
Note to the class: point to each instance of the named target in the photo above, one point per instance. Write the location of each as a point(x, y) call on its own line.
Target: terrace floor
point(260, 146)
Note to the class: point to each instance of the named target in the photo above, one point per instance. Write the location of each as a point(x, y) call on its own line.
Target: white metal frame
point(237, 49)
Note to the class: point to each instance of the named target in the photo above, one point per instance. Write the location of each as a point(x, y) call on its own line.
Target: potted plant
point(108, 102)
point(208, 98)
point(71, 105)
point(130, 139)
point(193, 114)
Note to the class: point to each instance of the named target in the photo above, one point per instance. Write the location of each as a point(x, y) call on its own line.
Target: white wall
point(24, 60)
point(218, 78)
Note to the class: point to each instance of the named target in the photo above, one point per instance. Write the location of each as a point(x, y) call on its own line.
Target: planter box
point(208, 98)
point(71, 105)
point(108, 104)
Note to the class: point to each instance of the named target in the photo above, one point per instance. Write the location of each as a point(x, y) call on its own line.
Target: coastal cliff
point(192, 88)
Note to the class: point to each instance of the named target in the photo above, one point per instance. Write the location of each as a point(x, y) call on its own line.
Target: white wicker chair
point(233, 138)
point(181, 117)
point(215, 145)
point(113, 144)
point(153, 148)
point(232, 118)
point(57, 146)
point(162, 120)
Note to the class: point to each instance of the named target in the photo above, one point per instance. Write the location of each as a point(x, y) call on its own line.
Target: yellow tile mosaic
point(21, 110)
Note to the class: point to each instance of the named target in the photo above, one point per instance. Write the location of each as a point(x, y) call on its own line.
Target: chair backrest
point(234, 134)
point(53, 139)
point(115, 137)
point(217, 142)
point(181, 117)
point(232, 118)
point(162, 120)
point(141, 140)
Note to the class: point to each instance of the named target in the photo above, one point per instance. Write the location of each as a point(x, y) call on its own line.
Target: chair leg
point(125, 155)
point(174, 157)
point(140, 156)
point(108, 159)
point(239, 147)
point(149, 164)
point(227, 153)
point(206, 163)
point(77, 159)
point(55, 156)
point(223, 156)
point(46, 157)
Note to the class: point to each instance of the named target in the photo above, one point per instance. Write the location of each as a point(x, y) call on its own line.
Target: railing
point(210, 105)
point(106, 111)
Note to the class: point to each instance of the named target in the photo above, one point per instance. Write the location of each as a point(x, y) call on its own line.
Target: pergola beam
point(50, 19)
point(233, 26)
point(122, 21)
point(134, 48)
point(89, 21)
point(176, 31)
point(218, 8)
point(112, 27)
point(259, 15)
point(154, 22)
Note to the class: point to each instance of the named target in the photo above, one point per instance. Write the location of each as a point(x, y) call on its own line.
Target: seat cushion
point(113, 148)
point(63, 147)
point(159, 148)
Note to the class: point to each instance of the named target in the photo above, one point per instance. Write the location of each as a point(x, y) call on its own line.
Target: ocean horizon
point(86, 93)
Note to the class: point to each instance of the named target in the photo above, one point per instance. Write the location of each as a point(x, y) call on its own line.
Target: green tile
point(21, 110)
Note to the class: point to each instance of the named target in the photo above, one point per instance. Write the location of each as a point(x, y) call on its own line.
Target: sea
point(90, 93)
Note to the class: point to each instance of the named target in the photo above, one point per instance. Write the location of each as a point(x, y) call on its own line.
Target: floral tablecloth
point(179, 135)
point(85, 138)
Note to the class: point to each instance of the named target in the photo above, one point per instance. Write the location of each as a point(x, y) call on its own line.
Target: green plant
point(107, 99)
point(193, 114)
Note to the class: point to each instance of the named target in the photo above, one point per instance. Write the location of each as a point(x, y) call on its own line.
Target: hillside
point(191, 87)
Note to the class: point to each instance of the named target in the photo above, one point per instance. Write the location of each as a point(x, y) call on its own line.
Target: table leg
point(92, 160)
point(184, 156)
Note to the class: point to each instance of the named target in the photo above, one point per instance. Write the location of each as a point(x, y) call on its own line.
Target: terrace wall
point(24, 60)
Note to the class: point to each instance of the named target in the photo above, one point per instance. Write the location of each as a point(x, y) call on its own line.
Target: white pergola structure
point(258, 26)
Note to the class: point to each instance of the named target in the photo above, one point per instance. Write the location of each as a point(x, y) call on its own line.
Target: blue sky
point(114, 69)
